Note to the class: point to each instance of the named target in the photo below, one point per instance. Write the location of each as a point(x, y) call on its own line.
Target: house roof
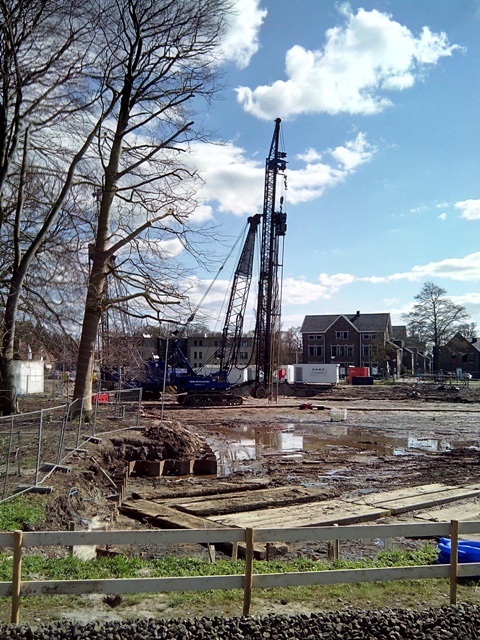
point(399, 332)
point(468, 343)
point(362, 322)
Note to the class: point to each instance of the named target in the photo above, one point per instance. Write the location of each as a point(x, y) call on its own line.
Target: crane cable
point(222, 266)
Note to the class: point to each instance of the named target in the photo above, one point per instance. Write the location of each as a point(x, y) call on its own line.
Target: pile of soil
point(168, 440)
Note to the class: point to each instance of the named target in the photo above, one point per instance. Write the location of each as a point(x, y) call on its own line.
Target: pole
point(17, 576)
point(165, 367)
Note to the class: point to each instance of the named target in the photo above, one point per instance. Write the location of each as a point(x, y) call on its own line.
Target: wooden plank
point(165, 517)
point(352, 576)
point(310, 514)
point(354, 532)
point(428, 500)
point(135, 585)
point(398, 494)
point(142, 537)
point(249, 501)
point(461, 512)
point(200, 488)
point(169, 518)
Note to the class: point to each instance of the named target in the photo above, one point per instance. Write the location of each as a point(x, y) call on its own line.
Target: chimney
point(358, 314)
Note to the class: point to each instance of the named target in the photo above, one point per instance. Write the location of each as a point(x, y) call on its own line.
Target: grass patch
point(25, 512)
point(403, 594)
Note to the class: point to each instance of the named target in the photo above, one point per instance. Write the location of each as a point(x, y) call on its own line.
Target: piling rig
point(274, 227)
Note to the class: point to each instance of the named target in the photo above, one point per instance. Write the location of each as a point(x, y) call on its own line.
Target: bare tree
point(47, 123)
point(161, 59)
point(290, 346)
point(434, 318)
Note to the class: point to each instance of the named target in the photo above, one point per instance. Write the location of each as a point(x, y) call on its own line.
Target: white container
point(319, 373)
point(28, 376)
point(338, 415)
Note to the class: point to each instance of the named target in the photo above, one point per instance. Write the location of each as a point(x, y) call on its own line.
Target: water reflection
point(238, 448)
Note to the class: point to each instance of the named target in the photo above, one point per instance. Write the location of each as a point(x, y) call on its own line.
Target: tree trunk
point(8, 393)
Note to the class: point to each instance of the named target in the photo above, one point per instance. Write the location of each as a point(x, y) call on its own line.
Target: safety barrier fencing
point(247, 581)
point(33, 444)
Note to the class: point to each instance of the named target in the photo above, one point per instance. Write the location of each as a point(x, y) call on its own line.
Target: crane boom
point(232, 330)
point(274, 226)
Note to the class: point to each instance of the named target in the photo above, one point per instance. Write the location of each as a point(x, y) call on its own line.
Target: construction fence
point(34, 444)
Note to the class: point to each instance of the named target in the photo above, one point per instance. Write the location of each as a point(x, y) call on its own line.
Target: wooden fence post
point(17, 576)
point(453, 560)
point(247, 580)
point(71, 527)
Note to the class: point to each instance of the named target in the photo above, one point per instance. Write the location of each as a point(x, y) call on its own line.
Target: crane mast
point(274, 226)
point(232, 330)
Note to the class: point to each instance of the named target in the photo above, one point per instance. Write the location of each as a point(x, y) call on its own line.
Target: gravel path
point(459, 623)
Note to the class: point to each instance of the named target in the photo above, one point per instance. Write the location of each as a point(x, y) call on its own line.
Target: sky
point(380, 109)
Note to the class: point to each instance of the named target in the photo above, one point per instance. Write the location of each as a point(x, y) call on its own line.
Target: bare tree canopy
point(161, 58)
point(96, 104)
point(47, 123)
point(435, 318)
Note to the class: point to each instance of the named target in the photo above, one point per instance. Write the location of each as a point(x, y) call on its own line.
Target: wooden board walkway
point(311, 514)
point(247, 501)
point(414, 498)
point(291, 506)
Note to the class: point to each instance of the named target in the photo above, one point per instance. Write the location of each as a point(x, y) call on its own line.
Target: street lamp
point(165, 367)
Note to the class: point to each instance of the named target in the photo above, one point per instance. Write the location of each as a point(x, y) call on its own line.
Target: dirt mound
point(160, 441)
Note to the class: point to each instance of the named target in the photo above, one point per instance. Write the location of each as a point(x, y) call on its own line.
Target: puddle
point(238, 448)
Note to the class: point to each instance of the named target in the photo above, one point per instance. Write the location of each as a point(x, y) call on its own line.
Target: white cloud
point(231, 179)
point(442, 216)
point(458, 269)
point(241, 39)
point(470, 209)
point(236, 182)
point(310, 155)
point(170, 248)
point(361, 60)
point(354, 153)
point(299, 291)
point(337, 280)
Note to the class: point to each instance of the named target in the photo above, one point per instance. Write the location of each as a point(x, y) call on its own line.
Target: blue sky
point(380, 108)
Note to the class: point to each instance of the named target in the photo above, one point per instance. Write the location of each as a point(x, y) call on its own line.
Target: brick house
point(360, 340)
point(461, 353)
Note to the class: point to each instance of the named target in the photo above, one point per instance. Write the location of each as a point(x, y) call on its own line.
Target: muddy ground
point(391, 436)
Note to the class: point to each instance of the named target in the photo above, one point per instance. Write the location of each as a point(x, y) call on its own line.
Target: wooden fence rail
point(247, 581)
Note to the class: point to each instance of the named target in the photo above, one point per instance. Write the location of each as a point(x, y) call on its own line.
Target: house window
point(195, 343)
point(311, 336)
point(243, 355)
point(341, 335)
point(200, 355)
point(366, 350)
point(316, 351)
point(319, 350)
point(244, 343)
point(367, 336)
point(195, 356)
point(374, 336)
point(319, 337)
point(215, 343)
point(342, 350)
